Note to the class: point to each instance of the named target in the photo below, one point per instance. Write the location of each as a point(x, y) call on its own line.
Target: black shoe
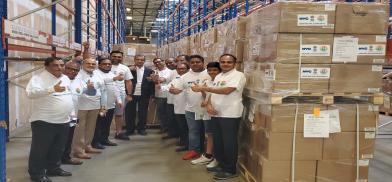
point(58, 172)
point(109, 143)
point(98, 146)
point(128, 133)
point(216, 169)
point(181, 149)
point(41, 179)
point(224, 175)
point(143, 133)
point(121, 136)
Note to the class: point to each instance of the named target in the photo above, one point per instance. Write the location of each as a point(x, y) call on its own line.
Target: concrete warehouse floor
point(150, 159)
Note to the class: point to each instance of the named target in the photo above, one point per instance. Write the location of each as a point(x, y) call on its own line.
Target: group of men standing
point(75, 102)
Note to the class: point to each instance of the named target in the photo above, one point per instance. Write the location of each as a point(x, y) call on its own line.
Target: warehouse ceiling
point(143, 13)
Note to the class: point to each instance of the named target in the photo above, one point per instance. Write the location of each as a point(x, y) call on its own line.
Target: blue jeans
point(196, 132)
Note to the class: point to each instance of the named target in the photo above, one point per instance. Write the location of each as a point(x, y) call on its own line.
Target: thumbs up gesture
point(58, 87)
point(90, 85)
point(196, 87)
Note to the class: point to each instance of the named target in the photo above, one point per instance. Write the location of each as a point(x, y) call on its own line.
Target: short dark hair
point(116, 52)
point(49, 60)
point(156, 59)
point(214, 65)
point(186, 57)
point(231, 55)
point(184, 63)
point(102, 58)
point(139, 55)
point(197, 57)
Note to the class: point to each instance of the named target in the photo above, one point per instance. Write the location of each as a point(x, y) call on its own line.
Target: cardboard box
point(355, 78)
point(284, 78)
point(292, 17)
point(195, 44)
point(278, 146)
point(234, 28)
point(343, 146)
point(362, 18)
point(371, 49)
point(291, 48)
point(274, 171)
point(342, 171)
point(368, 117)
point(280, 118)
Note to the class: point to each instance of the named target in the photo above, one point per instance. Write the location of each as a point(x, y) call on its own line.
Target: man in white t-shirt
point(179, 102)
point(104, 120)
point(125, 88)
point(193, 108)
point(161, 78)
point(172, 128)
point(225, 106)
point(88, 109)
point(52, 103)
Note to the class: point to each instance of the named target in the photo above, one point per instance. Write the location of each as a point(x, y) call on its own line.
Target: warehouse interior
point(301, 59)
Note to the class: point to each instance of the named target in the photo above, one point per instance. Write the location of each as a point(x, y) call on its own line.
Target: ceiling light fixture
point(128, 9)
point(129, 17)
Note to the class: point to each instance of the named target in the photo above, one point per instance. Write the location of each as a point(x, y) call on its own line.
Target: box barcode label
point(370, 135)
point(330, 7)
point(363, 162)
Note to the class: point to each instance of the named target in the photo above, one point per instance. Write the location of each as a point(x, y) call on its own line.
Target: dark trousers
point(47, 147)
point(102, 128)
point(171, 119)
point(226, 142)
point(139, 103)
point(182, 129)
point(161, 111)
point(67, 150)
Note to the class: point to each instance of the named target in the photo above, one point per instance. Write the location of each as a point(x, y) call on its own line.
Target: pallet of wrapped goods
point(268, 144)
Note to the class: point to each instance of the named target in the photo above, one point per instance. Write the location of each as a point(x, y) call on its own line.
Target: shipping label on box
point(371, 49)
point(312, 20)
point(315, 73)
point(345, 49)
point(315, 50)
point(316, 126)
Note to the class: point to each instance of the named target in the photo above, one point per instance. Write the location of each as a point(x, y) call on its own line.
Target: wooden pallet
point(246, 174)
point(324, 98)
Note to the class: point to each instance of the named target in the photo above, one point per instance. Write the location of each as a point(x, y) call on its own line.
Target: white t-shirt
point(165, 73)
point(170, 96)
point(206, 116)
point(77, 87)
point(229, 106)
point(112, 91)
point(122, 69)
point(48, 105)
point(178, 100)
point(193, 99)
point(87, 102)
point(138, 86)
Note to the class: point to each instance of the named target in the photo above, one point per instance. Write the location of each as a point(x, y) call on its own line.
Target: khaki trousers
point(84, 131)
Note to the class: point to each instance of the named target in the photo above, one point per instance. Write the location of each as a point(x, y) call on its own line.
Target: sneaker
point(121, 136)
point(212, 164)
point(224, 175)
point(202, 160)
point(190, 155)
point(216, 169)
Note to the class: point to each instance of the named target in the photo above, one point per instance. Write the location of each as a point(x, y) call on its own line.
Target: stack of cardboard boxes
point(296, 49)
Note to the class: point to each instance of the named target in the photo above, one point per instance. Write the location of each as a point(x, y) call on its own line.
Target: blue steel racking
point(116, 23)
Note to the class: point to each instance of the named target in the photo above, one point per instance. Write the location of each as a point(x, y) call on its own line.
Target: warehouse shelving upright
point(94, 26)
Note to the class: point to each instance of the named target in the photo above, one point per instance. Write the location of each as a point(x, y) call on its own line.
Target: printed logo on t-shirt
point(222, 83)
point(78, 90)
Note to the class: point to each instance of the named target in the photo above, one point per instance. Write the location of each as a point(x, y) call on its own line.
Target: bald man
point(71, 70)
